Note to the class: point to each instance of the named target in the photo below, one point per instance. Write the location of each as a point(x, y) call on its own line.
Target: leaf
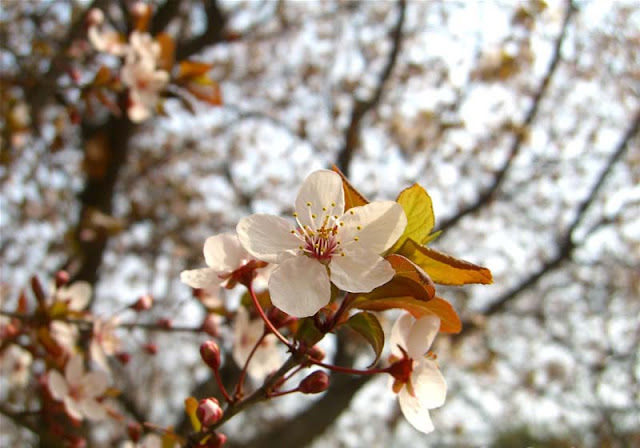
point(167, 51)
point(192, 69)
point(190, 407)
point(368, 326)
point(103, 77)
point(308, 332)
point(418, 207)
point(449, 320)
point(409, 281)
point(207, 91)
point(352, 197)
point(445, 269)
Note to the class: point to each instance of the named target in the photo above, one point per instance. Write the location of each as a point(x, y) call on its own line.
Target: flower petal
point(57, 385)
point(321, 194)
point(78, 294)
point(267, 237)
point(400, 333)
point(204, 278)
point(73, 408)
point(428, 384)
point(224, 253)
point(421, 336)
point(74, 370)
point(377, 226)
point(95, 383)
point(360, 271)
point(300, 286)
point(92, 409)
point(415, 412)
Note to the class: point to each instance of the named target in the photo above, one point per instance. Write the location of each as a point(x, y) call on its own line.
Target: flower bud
point(135, 431)
point(143, 303)
point(209, 411)
point(150, 348)
point(95, 17)
point(315, 383)
point(62, 278)
point(210, 325)
point(210, 353)
point(316, 353)
point(123, 357)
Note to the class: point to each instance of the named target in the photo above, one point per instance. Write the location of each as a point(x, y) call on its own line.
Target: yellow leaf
point(417, 205)
point(352, 197)
point(190, 407)
point(443, 268)
point(449, 319)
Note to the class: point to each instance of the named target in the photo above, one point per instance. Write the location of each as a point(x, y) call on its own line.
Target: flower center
point(322, 242)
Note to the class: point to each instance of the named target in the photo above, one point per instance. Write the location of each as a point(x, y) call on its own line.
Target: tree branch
point(519, 136)
point(360, 109)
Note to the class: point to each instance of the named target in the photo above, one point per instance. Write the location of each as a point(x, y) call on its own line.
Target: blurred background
point(520, 118)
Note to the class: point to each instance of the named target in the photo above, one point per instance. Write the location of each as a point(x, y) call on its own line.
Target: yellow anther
point(333, 204)
point(356, 239)
point(342, 254)
point(295, 214)
point(308, 204)
point(324, 209)
point(351, 212)
point(335, 216)
point(293, 231)
point(314, 216)
point(359, 227)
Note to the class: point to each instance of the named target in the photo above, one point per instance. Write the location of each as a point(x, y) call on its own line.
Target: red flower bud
point(210, 325)
point(315, 383)
point(135, 431)
point(123, 357)
point(210, 353)
point(143, 303)
point(152, 349)
point(209, 411)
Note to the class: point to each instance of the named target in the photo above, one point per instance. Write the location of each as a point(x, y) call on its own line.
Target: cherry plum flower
point(79, 390)
point(246, 333)
point(418, 382)
point(141, 75)
point(326, 244)
point(15, 365)
point(103, 40)
point(104, 341)
point(227, 261)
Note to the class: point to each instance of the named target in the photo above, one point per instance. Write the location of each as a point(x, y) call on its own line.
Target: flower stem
point(266, 320)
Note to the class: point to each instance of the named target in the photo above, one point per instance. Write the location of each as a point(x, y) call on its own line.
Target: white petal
point(224, 253)
point(78, 294)
point(57, 385)
point(74, 370)
point(73, 408)
point(92, 409)
point(267, 237)
point(95, 383)
point(421, 336)
point(360, 271)
point(415, 412)
point(201, 278)
point(400, 333)
point(300, 286)
point(321, 189)
point(97, 355)
point(381, 224)
point(428, 384)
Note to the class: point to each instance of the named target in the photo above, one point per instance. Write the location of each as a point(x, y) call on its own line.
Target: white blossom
point(79, 390)
point(425, 388)
point(326, 244)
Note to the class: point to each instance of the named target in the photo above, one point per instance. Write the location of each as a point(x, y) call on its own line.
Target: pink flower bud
point(315, 383)
point(143, 303)
point(135, 431)
point(95, 17)
point(210, 353)
point(209, 411)
point(316, 353)
point(62, 278)
point(151, 348)
point(123, 357)
point(210, 325)
point(164, 322)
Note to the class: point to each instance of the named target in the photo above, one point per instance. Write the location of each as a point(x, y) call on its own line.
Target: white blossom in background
point(425, 388)
point(79, 389)
point(15, 364)
point(104, 341)
point(142, 76)
point(76, 295)
point(103, 40)
point(325, 245)
point(223, 255)
point(268, 357)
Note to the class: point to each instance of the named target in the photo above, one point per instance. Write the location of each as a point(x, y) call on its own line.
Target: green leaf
point(307, 332)
point(368, 326)
point(445, 269)
point(416, 203)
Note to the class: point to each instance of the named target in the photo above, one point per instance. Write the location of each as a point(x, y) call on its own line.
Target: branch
point(520, 135)
point(214, 33)
point(361, 108)
point(566, 241)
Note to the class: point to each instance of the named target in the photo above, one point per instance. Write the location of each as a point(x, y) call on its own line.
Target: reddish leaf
point(167, 51)
point(207, 92)
point(192, 69)
point(352, 197)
